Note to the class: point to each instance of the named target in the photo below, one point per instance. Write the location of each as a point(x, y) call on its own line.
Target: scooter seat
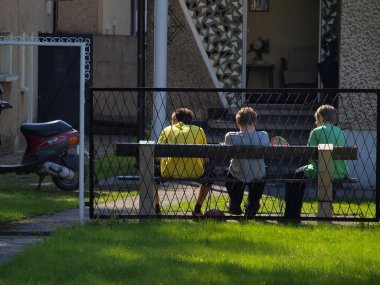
point(45, 129)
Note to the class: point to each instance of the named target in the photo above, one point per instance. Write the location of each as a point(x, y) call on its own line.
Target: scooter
point(47, 152)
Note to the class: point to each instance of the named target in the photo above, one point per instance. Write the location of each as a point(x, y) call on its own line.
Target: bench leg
point(325, 185)
point(147, 191)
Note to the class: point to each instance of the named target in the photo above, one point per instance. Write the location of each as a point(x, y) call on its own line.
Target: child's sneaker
point(233, 210)
point(197, 212)
point(158, 210)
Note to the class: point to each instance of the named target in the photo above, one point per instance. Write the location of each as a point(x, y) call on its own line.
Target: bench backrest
point(222, 152)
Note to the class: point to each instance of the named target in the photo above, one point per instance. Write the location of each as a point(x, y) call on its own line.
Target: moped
point(47, 152)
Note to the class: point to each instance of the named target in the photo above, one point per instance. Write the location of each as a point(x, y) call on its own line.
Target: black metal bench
point(146, 151)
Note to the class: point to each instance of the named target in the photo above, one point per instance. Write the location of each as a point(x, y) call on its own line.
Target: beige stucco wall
point(78, 17)
point(360, 60)
point(185, 64)
point(115, 61)
point(287, 24)
point(114, 56)
point(115, 65)
point(20, 17)
point(108, 17)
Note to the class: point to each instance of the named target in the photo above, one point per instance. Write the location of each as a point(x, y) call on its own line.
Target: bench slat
point(226, 152)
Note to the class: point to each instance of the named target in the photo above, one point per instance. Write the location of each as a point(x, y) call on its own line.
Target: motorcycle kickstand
point(40, 180)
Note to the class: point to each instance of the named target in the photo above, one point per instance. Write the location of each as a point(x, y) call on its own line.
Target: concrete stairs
point(293, 122)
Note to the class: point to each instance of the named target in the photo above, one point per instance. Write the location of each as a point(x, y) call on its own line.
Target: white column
point(160, 65)
point(30, 99)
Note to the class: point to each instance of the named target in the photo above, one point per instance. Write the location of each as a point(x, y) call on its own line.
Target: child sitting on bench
point(325, 133)
point(243, 172)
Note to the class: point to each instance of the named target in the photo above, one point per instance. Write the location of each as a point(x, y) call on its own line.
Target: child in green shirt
point(325, 133)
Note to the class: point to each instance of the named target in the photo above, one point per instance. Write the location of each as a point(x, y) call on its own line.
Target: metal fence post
point(147, 189)
point(325, 185)
point(377, 157)
point(91, 142)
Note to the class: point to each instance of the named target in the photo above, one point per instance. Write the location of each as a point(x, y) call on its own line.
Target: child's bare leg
point(203, 191)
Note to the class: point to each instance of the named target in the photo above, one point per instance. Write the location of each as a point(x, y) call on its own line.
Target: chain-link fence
point(185, 187)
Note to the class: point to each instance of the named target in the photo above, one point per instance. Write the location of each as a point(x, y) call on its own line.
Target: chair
point(300, 68)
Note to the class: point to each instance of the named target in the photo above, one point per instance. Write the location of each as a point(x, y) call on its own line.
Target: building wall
point(78, 17)
point(359, 68)
point(115, 61)
point(114, 17)
point(360, 57)
point(20, 17)
point(185, 64)
point(114, 56)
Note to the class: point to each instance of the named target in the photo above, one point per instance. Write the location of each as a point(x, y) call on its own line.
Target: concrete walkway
point(15, 236)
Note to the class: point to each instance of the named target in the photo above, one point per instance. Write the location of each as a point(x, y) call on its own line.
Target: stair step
point(292, 121)
point(284, 110)
point(266, 109)
point(276, 124)
point(294, 137)
point(285, 97)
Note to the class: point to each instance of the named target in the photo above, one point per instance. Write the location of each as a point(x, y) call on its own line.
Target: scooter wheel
point(67, 184)
point(72, 162)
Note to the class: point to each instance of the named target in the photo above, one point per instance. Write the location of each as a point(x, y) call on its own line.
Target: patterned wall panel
point(219, 27)
point(329, 26)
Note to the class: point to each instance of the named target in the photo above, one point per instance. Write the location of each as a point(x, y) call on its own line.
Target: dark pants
point(294, 196)
point(235, 190)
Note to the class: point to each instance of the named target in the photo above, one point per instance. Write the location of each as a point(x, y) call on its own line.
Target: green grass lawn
point(175, 252)
point(20, 199)
point(271, 205)
point(111, 165)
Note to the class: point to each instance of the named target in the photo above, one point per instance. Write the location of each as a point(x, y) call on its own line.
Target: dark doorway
point(59, 82)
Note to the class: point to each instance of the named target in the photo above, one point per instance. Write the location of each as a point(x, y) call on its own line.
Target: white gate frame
point(84, 46)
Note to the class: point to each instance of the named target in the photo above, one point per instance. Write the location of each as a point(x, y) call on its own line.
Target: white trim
point(58, 42)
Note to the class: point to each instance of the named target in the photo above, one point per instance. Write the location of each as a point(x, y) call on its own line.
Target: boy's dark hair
point(184, 115)
point(328, 113)
point(246, 116)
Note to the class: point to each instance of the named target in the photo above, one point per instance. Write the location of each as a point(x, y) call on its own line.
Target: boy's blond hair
point(246, 116)
point(328, 113)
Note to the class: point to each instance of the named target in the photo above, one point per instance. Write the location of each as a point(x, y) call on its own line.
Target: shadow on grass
point(199, 253)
